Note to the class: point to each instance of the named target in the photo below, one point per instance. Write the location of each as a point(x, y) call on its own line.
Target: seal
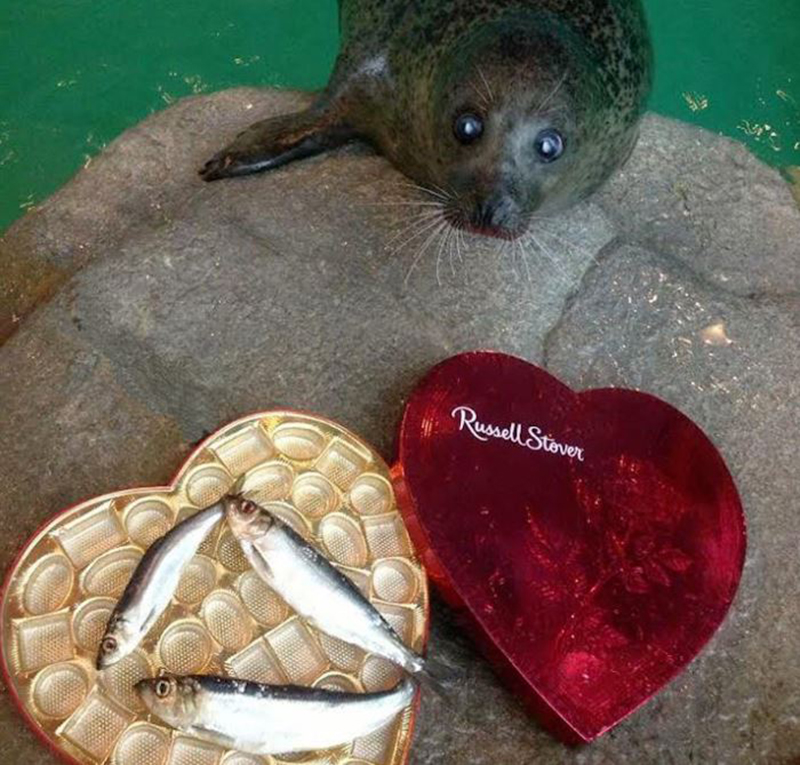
point(505, 109)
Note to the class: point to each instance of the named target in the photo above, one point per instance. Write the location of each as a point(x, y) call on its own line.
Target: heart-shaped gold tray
point(321, 479)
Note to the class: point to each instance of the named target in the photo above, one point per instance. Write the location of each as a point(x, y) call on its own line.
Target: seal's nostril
point(493, 213)
point(485, 214)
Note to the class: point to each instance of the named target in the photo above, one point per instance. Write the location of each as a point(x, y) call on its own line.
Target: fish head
point(119, 640)
point(172, 698)
point(246, 518)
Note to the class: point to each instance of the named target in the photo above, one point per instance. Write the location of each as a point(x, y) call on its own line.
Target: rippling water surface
point(76, 73)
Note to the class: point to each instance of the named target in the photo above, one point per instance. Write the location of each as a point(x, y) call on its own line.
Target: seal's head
point(522, 120)
point(171, 698)
point(247, 520)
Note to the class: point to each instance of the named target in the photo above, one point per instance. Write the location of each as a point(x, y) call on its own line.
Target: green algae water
point(75, 73)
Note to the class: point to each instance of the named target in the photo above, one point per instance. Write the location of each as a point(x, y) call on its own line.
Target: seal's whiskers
point(442, 236)
point(486, 93)
point(421, 223)
point(506, 253)
point(448, 195)
point(553, 93)
point(409, 203)
point(439, 249)
point(569, 243)
point(453, 250)
point(523, 255)
point(424, 248)
point(460, 244)
point(558, 267)
point(413, 224)
point(440, 194)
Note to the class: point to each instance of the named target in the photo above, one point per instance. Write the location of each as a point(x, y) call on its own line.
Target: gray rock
point(145, 308)
point(711, 204)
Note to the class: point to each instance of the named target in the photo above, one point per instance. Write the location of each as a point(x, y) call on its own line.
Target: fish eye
point(162, 688)
point(549, 145)
point(468, 128)
point(109, 645)
point(248, 507)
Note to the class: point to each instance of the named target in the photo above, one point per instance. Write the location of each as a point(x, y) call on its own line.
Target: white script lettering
point(530, 437)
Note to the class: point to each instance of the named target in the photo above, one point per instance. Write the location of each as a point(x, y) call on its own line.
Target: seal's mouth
point(457, 219)
point(494, 232)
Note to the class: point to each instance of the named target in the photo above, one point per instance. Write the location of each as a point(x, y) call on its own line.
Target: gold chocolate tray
point(315, 475)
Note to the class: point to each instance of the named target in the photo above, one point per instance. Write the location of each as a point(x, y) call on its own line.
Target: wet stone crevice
point(144, 308)
point(603, 255)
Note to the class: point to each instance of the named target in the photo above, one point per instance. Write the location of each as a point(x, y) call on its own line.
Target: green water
point(75, 73)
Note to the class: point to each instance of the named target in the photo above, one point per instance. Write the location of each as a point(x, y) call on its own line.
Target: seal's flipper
point(274, 142)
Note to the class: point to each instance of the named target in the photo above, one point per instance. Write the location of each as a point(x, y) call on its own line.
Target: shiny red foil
point(592, 566)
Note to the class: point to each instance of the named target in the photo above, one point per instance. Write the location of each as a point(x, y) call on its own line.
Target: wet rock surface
point(143, 308)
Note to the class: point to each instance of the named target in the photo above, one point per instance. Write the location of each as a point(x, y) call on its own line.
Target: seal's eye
point(468, 128)
point(109, 645)
point(549, 145)
point(162, 688)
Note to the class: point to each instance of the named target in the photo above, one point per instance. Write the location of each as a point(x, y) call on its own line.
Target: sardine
point(269, 719)
point(316, 590)
point(153, 584)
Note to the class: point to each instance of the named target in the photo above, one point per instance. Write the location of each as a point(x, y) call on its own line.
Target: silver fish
point(316, 590)
point(269, 719)
point(153, 584)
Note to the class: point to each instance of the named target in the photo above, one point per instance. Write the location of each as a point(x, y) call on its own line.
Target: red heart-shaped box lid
point(594, 540)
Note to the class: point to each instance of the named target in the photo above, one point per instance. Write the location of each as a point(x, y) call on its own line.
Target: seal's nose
point(497, 214)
